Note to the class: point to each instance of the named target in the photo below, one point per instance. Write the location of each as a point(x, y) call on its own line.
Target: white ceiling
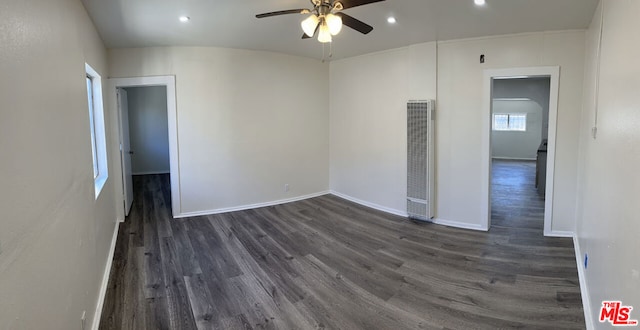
point(232, 23)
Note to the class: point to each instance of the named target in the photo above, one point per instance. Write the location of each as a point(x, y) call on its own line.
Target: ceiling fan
point(326, 18)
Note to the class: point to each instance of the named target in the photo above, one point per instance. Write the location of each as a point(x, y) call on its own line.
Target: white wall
point(148, 132)
point(368, 119)
point(607, 225)
point(535, 89)
point(369, 122)
point(54, 235)
point(248, 122)
point(460, 88)
point(517, 144)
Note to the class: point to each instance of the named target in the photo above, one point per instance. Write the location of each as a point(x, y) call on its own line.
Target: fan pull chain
point(330, 50)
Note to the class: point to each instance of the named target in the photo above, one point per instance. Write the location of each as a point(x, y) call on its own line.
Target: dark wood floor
point(515, 201)
point(329, 263)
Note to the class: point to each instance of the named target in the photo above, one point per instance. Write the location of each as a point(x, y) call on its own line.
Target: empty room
point(319, 164)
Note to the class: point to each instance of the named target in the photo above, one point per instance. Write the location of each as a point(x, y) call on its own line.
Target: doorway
point(147, 139)
point(519, 118)
point(145, 135)
point(519, 135)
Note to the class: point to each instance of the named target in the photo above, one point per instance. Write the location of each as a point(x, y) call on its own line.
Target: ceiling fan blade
point(282, 12)
point(355, 24)
point(355, 3)
point(305, 36)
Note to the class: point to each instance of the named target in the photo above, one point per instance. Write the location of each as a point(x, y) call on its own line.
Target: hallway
point(515, 202)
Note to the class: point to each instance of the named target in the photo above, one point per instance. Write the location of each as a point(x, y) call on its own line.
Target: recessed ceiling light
point(480, 2)
point(184, 19)
point(391, 20)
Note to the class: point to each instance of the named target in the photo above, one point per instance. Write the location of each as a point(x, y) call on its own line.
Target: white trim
point(172, 116)
point(371, 205)
point(559, 233)
point(151, 172)
point(554, 73)
point(512, 158)
point(105, 278)
point(249, 206)
point(458, 224)
point(437, 221)
point(98, 129)
point(584, 288)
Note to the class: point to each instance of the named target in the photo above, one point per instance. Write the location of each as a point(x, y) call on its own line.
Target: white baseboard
point(369, 204)
point(559, 233)
point(105, 279)
point(584, 288)
point(437, 221)
point(249, 206)
point(457, 224)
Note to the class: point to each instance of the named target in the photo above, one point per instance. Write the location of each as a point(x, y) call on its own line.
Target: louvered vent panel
point(420, 159)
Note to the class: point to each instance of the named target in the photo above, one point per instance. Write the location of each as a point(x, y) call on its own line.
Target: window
point(96, 124)
point(510, 122)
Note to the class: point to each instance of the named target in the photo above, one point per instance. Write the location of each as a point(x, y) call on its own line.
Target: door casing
point(125, 149)
point(553, 72)
point(174, 170)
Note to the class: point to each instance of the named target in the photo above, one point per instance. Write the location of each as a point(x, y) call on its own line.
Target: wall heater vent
point(420, 159)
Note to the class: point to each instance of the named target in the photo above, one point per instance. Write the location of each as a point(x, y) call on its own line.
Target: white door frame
point(172, 116)
point(125, 154)
point(547, 71)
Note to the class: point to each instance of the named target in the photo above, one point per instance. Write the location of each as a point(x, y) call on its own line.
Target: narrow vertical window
point(97, 128)
point(92, 123)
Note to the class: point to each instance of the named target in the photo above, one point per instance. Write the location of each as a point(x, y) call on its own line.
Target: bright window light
point(480, 2)
point(97, 128)
point(510, 122)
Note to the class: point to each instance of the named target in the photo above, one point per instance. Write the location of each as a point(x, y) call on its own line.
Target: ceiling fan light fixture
point(334, 22)
point(309, 25)
point(324, 35)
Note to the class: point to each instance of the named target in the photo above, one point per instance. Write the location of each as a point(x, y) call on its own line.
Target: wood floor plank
point(327, 263)
point(115, 295)
point(179, 307)
point(206, 315)
point(214, 277)
point(134, 309)
point(268, 259)
point(186, 256)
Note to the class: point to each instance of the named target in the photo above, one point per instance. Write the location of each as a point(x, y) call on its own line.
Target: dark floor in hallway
point(329, 263)
point(515, 202)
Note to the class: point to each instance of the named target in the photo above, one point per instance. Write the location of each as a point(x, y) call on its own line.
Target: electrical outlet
point(586, 260)
point(83, 319)
point(286, 187)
